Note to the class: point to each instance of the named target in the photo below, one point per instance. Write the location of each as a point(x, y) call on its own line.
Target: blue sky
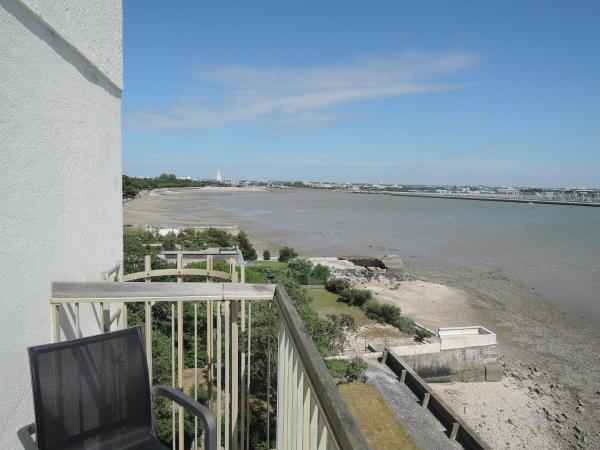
point(499, 93)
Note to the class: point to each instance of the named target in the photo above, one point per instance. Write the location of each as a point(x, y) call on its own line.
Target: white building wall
point(60, 172)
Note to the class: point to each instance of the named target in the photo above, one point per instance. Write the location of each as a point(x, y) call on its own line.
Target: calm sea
point(555, 249)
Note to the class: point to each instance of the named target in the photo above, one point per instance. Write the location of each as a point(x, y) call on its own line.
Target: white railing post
point(55, 322)
point(281, 373)
point(148, 326)
point(180, 368)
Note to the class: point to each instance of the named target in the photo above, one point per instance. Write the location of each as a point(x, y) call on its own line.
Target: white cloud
point(297, 94)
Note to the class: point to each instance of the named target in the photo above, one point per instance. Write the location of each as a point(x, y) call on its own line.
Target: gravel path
point(426, 430)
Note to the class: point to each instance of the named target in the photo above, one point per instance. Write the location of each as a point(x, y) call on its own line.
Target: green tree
point(217, 238)
point(246, 247)
point(337, 284)
point(355, 297)
point(286, 254)
point(320, 274)
point(169, 242)
point(300, 269)
point(267, 255)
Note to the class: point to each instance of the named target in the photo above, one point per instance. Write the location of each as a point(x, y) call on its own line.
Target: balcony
point(305, 404)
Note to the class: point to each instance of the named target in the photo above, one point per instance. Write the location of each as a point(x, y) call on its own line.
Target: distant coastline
point(483, 198)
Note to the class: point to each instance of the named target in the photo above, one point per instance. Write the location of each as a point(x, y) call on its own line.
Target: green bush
point(347, 371)
point(337, 368)
point(356, 370)
point(355, 297)
point(337, 285)
point(267, 255)
point(390, 314)
point(286, 254)
point(405, 324)
point(254, 276)
point(346, 321)
point(422, 333)
point(169, 242)
point(246, 247)
point(300, 269)
point(320, 274)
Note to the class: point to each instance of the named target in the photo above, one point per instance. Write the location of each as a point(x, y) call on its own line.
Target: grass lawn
point(327, 303)
point(376, 419)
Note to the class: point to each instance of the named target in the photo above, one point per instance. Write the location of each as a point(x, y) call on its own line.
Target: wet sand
point(532, 331)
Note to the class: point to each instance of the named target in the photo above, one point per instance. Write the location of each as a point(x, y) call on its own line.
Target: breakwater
point(484, 198)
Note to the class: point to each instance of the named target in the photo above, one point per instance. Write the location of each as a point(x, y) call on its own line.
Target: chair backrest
point(90, 391)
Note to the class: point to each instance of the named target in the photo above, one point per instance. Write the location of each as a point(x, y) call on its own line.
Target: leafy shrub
point(286, 254)
point(246, 247)
point(356, 370)
point(169, 242)
point(319, 274)
point(267, 255)
point(300, 269)
point(337, 285)
point(390, 314)
point(346, 321)
point(254, 276)
point(405, 324)
point(337, 368)
point(347, 371)
point(355, 297)
point(422, 333)
point(372, 309)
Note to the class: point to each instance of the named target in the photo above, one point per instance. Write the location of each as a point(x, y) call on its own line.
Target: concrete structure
point(457, 353)
point(456, 428)
point(60, 173)
point(462, 337)
point(219, 178)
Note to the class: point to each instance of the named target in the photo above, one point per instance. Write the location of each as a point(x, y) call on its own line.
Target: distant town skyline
point(462, 93)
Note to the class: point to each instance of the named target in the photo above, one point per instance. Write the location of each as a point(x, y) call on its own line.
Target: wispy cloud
point(302, 94)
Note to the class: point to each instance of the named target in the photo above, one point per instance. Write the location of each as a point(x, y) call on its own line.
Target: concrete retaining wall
point(456, 427)
point(464, 364)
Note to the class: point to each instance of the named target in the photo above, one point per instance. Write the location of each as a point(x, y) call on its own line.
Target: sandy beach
point(557, 405)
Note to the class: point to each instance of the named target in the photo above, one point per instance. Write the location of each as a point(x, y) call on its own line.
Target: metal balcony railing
point(310, 411)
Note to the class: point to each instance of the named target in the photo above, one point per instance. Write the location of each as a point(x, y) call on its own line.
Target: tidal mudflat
point(531, 273)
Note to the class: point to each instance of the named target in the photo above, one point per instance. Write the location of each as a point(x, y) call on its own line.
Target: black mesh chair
point(94, 394)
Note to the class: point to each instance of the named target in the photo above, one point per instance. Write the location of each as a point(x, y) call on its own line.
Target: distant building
point(219, 178)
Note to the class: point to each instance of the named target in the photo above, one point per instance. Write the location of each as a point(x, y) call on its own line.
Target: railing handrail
point(176, 272)
point(119, 292)
point(344, 428)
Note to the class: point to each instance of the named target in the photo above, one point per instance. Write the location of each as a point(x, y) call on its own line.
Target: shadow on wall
point(68, 320)
point(64, 49)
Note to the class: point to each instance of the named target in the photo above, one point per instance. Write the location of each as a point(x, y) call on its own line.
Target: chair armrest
point(200, 411)
point(24, 435)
